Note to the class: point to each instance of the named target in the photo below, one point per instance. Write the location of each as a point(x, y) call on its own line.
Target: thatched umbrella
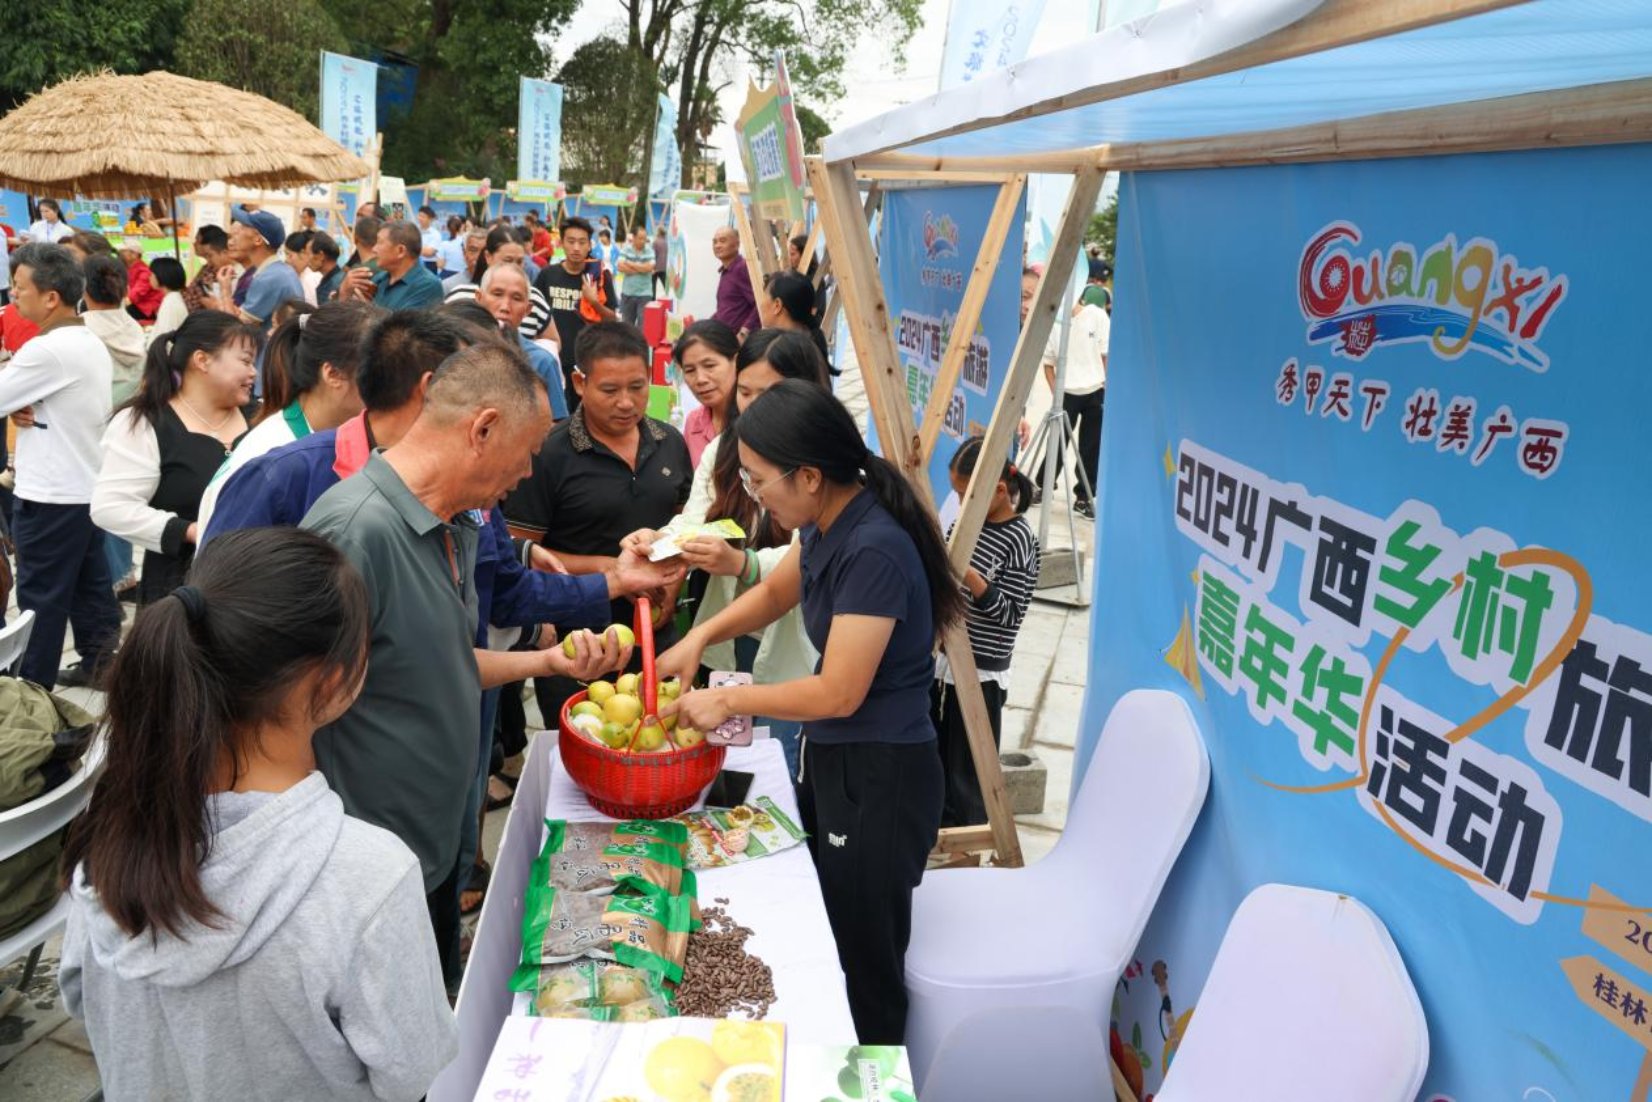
point(117, 136)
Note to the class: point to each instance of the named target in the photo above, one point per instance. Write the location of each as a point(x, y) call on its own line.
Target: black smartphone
point(729, 789)
point(593, 269)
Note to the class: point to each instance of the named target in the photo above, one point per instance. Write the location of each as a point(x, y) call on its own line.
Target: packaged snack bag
point(648, 932)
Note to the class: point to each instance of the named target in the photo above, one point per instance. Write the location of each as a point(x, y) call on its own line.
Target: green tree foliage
point(608, 110)
point(471, 55)
point(45, 41)
point(691, 42)
point(271, 47)
point(813, 126)
point(1103, 229)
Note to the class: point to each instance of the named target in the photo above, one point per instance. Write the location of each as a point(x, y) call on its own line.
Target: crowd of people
point(372, 494)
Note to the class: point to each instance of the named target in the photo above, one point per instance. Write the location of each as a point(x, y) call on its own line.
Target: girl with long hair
point(310, 366)
point(791, 305)
point(871, 575)
point(164, 444)
point(232, 934)
point(1003, 571)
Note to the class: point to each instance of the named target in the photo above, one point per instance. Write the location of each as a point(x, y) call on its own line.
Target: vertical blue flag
point(349, 101)
point(539, 131)
point(986, 35)
point(667, 172)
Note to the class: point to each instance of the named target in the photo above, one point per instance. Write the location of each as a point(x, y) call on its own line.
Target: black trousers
point(63, 577)
point(443, 905)
point(964, 805)
point(871, 810)
point(1084, 412)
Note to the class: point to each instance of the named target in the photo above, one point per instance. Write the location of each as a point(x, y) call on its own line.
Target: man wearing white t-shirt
point(1084, 390)
point(57, 391)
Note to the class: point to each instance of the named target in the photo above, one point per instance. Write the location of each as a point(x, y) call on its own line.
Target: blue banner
point(349, 101)
point(539, 131)
point(1371, 503)
point(983, 36)
point(928, 239)
point(666, 173)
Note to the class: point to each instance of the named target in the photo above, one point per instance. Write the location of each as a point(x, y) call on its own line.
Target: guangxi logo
point(940, 236)
point(1454, 297)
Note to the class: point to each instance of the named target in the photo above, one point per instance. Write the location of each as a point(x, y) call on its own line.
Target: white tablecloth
point(778, 897)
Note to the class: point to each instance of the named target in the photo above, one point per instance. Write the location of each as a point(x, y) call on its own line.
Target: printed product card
point(728, 836)
point(848, 1073)
point(675, 1060)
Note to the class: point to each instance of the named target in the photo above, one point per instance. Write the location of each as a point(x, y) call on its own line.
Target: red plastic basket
point(630, 785)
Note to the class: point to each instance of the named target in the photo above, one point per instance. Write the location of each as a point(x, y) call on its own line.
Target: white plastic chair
point(1051, 1053)
point(22, 827)
point(1059, 933)
point(14, 640)
point(1308, 999)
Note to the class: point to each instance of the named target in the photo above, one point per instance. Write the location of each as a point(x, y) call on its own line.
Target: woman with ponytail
point(1003, 570)
point(163, 445)
point(791, 305)
point(310, 366)
point(871, 575)
point(232, 934)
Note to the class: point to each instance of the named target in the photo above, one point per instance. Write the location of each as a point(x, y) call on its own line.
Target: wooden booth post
point(1029, 353)
point(843, 220)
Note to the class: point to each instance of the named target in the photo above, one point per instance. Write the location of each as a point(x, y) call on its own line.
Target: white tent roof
point(1072, 98)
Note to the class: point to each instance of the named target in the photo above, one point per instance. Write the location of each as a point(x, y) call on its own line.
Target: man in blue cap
point(255, 241)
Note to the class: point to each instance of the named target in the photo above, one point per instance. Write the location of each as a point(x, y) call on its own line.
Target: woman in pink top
point(705, 355)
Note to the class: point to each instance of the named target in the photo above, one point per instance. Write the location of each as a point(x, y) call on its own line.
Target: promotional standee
point(1374, 505)
point(927, 245)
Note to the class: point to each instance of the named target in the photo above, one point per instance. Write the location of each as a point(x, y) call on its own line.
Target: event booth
point(1368, 497)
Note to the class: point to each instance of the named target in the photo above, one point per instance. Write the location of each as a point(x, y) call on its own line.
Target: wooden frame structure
point(1597, 114)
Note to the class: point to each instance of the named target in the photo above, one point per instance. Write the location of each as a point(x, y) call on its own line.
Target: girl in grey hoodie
point(233, 934)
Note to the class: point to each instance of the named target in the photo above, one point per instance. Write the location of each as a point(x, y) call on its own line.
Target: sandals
point(496, 798)
point(480, 874)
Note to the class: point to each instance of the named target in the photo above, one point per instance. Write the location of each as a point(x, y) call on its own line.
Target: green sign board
point(771, 148)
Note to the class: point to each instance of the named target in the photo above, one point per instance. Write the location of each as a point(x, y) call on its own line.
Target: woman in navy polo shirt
point(872, 575)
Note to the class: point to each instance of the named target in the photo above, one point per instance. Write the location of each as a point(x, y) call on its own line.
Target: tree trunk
point(653, 114)
point(687, 138)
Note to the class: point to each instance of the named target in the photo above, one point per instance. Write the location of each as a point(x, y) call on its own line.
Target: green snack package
point(595, 990)
point(601, 859)
point(649, 932)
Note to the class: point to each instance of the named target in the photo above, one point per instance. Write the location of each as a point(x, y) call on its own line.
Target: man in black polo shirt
point(579, 291)
point(605, 472)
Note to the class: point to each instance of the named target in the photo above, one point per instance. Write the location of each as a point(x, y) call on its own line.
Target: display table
point(778, 897)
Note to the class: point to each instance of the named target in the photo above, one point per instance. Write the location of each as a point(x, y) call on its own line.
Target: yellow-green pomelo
point(622, 709)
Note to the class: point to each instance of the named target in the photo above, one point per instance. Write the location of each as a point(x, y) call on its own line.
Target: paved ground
point(44, 1056)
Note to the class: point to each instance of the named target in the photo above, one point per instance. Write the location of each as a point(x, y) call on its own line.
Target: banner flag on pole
point(539, 131)
point(986, 35)
point(667, 171)
point(349, 101)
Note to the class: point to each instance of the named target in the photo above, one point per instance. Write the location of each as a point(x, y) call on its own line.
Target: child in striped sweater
point(999, 584)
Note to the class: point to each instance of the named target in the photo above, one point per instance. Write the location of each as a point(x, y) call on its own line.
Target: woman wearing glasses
point(781, 651)
point(871, 575)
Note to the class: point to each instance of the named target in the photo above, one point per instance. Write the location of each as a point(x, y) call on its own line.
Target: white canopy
point(1212, 68)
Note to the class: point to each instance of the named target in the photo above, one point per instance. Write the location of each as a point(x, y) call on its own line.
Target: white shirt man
point(59, 387)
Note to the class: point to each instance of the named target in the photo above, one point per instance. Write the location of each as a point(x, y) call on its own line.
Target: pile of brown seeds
point(721, 979)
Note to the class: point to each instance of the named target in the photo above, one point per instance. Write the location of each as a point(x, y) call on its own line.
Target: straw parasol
point(118, 136)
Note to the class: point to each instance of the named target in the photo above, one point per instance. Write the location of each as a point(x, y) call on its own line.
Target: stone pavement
point(44, 1057)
